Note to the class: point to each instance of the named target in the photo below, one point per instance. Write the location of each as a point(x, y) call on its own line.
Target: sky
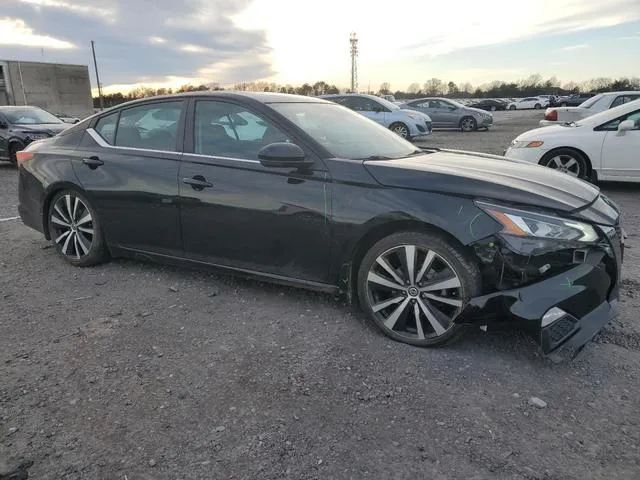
point(168, 43)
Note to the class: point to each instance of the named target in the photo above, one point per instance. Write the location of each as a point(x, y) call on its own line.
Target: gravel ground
point(139, 371)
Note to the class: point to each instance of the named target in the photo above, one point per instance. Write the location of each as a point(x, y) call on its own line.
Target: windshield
point(30, 116)
point(457, 104)
point(344, 133)
point(592, 101)
point(388, 104)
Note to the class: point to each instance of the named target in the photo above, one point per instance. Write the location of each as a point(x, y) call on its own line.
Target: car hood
point(485, 176)
point(50, 128)
point(418, 113)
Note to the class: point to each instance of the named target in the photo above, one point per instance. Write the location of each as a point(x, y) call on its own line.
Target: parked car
point(603, 146)
point(596, 104)
point(528, 103)
point(406, 123)
point(445, 113)
point(67, 119)
point(572, 100)
point(489, 104)
point(312, 194)
point(20, 126)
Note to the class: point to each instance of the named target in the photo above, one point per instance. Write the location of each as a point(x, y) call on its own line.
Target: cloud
point(136, 41)
point(16, 32)
point(572, 48)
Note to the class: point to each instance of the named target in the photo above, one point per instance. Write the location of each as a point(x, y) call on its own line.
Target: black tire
point(493, 108)
point(560, 159)
point(79, 247)
point(563, 104)
point(453, 263)
point(512, 107)
point(468, 124)
point(14, 148)
point(537, 106)
point(400, 129)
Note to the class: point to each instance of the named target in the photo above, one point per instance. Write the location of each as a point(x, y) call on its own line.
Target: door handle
point(92, 162)
point(198, 182)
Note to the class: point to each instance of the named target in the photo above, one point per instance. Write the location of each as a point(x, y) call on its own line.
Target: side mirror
point(625, 126)
point(282, 155)
point(453, 107)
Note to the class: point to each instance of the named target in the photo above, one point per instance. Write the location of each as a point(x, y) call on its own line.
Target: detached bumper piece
point(565, 338)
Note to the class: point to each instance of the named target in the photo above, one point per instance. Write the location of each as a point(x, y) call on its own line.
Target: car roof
point(624, 92)
point(334, 95)
point(16, 107)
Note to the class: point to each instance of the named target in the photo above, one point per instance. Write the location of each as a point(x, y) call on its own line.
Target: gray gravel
point(139, 371)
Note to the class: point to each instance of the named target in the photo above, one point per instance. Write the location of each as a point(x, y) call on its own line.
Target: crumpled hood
point(485, 176)
point(50, 128)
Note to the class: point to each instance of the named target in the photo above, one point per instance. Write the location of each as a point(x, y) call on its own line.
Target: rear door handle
point(92, 162)
point(198, 182)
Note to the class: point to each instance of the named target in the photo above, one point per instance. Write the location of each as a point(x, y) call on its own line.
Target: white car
point(596, 104)
point(528, 103)
point(604, 146)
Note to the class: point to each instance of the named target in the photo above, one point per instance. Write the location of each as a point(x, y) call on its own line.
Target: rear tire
point(493, 108)
point(400, 129)
point(512, 107)
point(413, 285)
point(537, 106)
point(75, 229)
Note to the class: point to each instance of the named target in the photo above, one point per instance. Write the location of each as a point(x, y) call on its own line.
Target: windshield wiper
point(376, 157)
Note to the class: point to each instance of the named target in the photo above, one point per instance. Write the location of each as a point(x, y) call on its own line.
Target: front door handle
point(92, 162)
point(198, 182)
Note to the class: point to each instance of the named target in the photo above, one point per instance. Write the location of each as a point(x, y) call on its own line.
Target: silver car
point(446, 113)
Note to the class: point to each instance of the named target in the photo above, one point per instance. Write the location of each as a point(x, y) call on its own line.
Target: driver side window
point(613, 124)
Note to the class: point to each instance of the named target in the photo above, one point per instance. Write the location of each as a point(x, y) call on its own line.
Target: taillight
point(551, 114)
point(23, 156)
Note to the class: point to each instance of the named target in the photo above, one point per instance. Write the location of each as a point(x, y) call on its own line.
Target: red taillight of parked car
point(551, 114)
point(23, 156)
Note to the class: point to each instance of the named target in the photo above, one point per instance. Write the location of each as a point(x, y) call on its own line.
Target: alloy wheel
point(468, 124)
point(565, 164)
point(72, 226)
point(414, 292)
point(401, 130)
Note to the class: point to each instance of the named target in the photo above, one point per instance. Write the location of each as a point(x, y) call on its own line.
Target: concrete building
point(59, 89)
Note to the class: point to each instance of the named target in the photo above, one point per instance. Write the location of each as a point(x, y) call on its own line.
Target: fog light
point(554, 314)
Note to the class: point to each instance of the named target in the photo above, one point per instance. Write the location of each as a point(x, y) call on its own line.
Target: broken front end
point(558, 277)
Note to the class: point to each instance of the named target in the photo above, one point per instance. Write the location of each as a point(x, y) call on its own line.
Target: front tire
point(537, 106)
point(493, 108)
point(413, 285)
point(468, 124)
point(14, 148)
point(400, 129)
point(75, 229)
point(566, 160)
point(512, 107)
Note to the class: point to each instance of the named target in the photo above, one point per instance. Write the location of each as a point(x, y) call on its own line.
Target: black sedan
point(489, 104)
point(305, 192)
point(20, 126)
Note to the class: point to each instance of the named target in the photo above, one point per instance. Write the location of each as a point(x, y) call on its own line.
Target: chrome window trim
point(104, 144)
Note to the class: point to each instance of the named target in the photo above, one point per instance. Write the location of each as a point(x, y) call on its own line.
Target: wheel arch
point(578, 150)
point(48, 198)
point(376, 232)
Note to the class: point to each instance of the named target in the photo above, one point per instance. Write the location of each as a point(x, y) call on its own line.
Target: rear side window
point(150, 127)
point(622, 99)
point(106, 127)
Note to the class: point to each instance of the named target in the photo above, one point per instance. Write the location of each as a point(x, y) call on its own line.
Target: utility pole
point(95, 64)
point(354, 62)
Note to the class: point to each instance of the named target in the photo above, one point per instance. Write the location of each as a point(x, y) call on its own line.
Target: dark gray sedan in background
point(446, 113)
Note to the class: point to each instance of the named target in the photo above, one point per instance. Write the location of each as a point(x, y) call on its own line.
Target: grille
point(560, 329)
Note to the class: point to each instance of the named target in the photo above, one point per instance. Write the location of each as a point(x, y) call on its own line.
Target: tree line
point(531, 86)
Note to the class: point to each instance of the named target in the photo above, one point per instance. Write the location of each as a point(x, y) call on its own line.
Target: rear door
point(128, 164)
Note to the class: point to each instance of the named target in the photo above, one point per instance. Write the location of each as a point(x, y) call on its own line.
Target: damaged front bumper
point(563, 311)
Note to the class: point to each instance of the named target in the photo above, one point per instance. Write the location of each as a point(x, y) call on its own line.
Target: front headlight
point(521, 223)
point(526, 143)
